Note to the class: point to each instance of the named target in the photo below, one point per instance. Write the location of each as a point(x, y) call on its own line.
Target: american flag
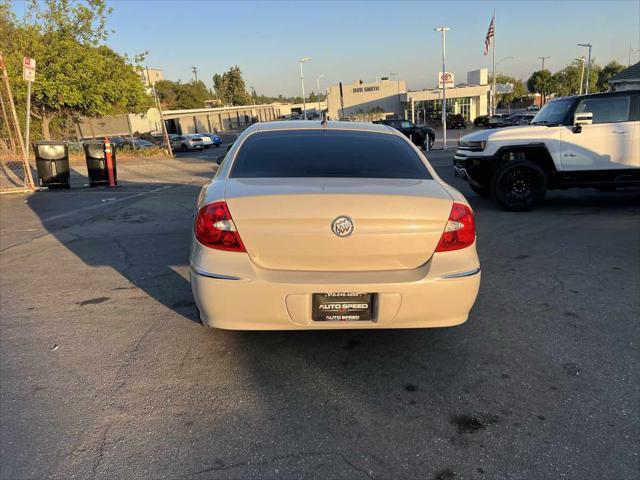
point(490, 32)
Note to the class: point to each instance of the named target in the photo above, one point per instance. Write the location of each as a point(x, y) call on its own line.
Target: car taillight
point(215, 228)
point(460, 230)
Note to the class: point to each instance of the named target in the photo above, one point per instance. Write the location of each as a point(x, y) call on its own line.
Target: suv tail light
point(215, 228)
point(460, 230)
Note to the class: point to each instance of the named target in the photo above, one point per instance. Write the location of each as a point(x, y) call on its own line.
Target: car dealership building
point(390, 99)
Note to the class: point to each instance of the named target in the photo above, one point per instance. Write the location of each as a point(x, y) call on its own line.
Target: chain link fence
point(13, 177)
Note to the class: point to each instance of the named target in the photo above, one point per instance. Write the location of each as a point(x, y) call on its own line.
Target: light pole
point(443, 31)
point(587, 45)
point(318, 77)
point(581, 59)
point(253, 90)
point(195, 73)
point(543, 59)
point(304, 102)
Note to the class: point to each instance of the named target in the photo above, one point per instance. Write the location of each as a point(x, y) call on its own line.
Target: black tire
point(484, 192)
point(183, 148)
point(217, 145)
point(519, 185)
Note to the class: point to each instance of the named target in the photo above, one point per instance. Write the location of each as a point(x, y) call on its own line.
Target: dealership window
point(429, 112)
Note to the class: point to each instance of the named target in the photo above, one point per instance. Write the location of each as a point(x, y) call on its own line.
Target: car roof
point(317, 125)
point(598, 94)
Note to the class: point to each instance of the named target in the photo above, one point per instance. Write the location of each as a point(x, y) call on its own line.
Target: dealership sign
point(447, 78)
point(502, 88)
point(29, 69)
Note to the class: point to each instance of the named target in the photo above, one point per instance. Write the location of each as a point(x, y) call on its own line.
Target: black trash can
point(97, 163)
point(52, 163)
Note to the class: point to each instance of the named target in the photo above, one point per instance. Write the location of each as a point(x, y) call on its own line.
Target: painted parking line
point(105, 202)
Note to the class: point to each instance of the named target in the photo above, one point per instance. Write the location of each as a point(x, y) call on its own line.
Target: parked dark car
point(481, 121)
point(497, 120)
point(137, 143)
point(456, 121)
point(420, 136)
point(518, 119)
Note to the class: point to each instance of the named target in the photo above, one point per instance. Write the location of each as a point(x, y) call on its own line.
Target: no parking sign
point(29, 69)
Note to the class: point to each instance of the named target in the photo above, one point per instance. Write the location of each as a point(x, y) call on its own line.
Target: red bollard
point(109, 160)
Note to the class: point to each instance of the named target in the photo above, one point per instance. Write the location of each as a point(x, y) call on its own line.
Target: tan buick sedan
point(311, 225)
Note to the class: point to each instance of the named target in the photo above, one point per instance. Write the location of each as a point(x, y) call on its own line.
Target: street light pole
point(304, 102)
point(195, 72)
point(318, 77)
point(587, 45)
point(443, 31)
point(582, 60)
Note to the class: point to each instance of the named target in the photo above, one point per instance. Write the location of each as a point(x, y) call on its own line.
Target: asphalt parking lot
point(106, 372)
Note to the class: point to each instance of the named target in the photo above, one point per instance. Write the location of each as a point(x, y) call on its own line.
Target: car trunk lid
point(286, 224)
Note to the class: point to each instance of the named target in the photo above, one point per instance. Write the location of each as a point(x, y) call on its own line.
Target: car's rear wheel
point(183, 148)
point(519, 185)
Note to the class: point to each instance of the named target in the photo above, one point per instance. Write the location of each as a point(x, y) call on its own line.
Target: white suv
point(582, 141)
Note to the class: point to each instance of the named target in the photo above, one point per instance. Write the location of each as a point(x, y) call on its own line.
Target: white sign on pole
point(29, 69)
point(447, 78)
point(502, 88)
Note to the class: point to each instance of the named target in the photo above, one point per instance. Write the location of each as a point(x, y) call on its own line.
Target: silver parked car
point(187, 142)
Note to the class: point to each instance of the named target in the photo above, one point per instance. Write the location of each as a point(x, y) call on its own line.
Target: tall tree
point(230, 87)
point(176, 95)
point(76, 75)
point(541, 82)
point(567, 81)
point(608, 71)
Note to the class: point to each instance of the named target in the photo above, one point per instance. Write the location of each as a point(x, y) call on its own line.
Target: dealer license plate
point(342, 306)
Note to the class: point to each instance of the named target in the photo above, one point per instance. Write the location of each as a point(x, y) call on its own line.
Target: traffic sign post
point(29, 74)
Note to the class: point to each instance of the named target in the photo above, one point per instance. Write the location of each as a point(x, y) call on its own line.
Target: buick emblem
point(342, 226)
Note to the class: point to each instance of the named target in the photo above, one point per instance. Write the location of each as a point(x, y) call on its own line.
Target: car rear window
point(327, 153)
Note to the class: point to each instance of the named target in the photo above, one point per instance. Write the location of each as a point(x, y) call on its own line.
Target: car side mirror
point(580, 119)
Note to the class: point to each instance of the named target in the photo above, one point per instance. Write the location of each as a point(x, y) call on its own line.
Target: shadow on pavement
point(141, 230)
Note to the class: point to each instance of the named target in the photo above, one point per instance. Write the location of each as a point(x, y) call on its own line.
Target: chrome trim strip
point(467, 273)
point(217, 276)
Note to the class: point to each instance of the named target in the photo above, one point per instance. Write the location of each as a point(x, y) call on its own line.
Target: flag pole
point(493, 48)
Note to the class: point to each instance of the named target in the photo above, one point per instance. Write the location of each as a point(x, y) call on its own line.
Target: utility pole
point(587, 45)
point(304, 101)
point(195, 73)
point(543, 59)
point(443, 31)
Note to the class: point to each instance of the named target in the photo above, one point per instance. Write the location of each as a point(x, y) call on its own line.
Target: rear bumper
point(282, 303)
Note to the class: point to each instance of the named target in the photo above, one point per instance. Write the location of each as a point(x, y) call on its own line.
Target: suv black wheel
point(519, 185)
